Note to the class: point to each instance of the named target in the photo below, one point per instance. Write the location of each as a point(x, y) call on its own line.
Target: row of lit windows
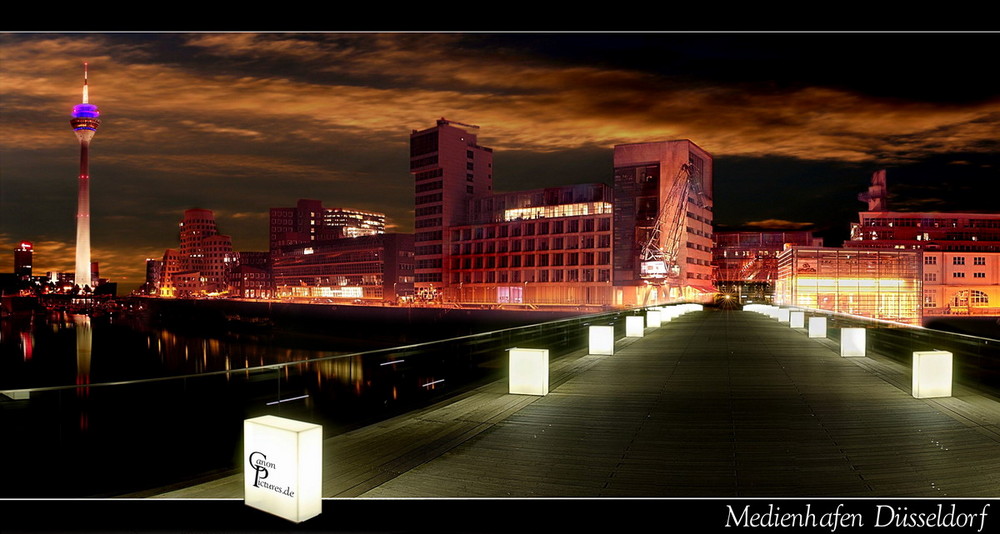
point(962, 298)
point(932, 277)
point(502, 246)
point(956, 260)
point(910, 221)
point(559, 210)
point(572, 226)
point(532, 260)
point(534, 276)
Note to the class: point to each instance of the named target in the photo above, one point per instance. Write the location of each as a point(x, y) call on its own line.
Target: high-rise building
point(449, 168)
point(85, 120)
point(662, 223)
point(22, 260)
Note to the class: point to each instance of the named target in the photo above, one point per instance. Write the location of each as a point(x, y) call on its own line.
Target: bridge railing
point(127, 437)
point(976, 359)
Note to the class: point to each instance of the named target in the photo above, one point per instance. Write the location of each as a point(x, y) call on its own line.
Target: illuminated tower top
point(85, 115)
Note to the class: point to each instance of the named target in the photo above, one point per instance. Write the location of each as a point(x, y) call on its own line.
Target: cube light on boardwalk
point(529, 371)
point(283, 467)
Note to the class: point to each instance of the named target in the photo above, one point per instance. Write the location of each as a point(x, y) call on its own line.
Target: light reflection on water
point(195, 418)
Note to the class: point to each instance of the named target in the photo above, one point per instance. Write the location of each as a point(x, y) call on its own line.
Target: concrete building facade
point(449, 168)
point(662, 223)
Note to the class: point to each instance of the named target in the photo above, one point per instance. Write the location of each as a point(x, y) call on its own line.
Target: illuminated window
point(980, 298)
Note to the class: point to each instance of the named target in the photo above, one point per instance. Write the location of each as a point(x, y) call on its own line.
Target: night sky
point(238, 123)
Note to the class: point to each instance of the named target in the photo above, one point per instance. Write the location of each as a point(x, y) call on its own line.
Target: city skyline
point(238, 123)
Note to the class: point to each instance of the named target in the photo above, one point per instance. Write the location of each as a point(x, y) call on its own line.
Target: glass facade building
point(880, 284)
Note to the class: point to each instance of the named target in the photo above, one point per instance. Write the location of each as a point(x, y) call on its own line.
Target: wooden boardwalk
point(711, 404)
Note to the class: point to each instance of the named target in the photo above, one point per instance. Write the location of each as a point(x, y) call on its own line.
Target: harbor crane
point(658, 258)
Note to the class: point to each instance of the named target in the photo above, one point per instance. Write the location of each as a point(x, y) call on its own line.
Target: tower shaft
point(83, 266)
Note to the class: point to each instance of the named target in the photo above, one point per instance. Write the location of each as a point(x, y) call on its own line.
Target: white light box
point(796, 319)
point(529, 371)
point(932, 372)
point(783, 315)
point(653, 318)
point(817, 327)
point(852, 342)
point(602, 340)
point(634, 325)
point(283, 467)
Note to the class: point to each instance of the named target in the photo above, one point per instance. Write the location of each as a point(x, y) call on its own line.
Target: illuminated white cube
point(783, 315)
point(817, 327)
point(634, 325)
point(852, 342)
point(529, 371)
point(602, 340)
point(932, 371)
point(796, 319)
point(653, 318)
point(283, 467)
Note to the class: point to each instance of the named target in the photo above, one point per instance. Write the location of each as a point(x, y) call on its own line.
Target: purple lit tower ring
point(85, 122)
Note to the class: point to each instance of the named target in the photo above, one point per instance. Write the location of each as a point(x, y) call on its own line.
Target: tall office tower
point(22, 260)
point(449, 168)
point(662, 223)
point(85, 122)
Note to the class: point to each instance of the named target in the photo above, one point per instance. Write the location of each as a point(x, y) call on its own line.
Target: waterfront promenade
point(716, 403)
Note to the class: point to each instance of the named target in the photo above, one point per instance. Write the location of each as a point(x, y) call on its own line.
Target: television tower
point(85, 122)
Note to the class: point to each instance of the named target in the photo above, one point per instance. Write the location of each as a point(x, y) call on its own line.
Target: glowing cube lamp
point(602, 340)
point(817, 327)
point(653, 318)
point(852, 342)
point(283, 467)
point(783, 315)
point(634, 325)
point(796, 319)
point(932, 372)
point(529, 371)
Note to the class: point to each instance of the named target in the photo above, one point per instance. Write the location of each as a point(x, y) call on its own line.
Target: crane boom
point(657, 264)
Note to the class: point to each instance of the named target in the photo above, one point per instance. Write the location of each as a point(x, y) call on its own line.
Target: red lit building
point(542, 247)
point(662, 223)
point(449, 168)
point(961, 251)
